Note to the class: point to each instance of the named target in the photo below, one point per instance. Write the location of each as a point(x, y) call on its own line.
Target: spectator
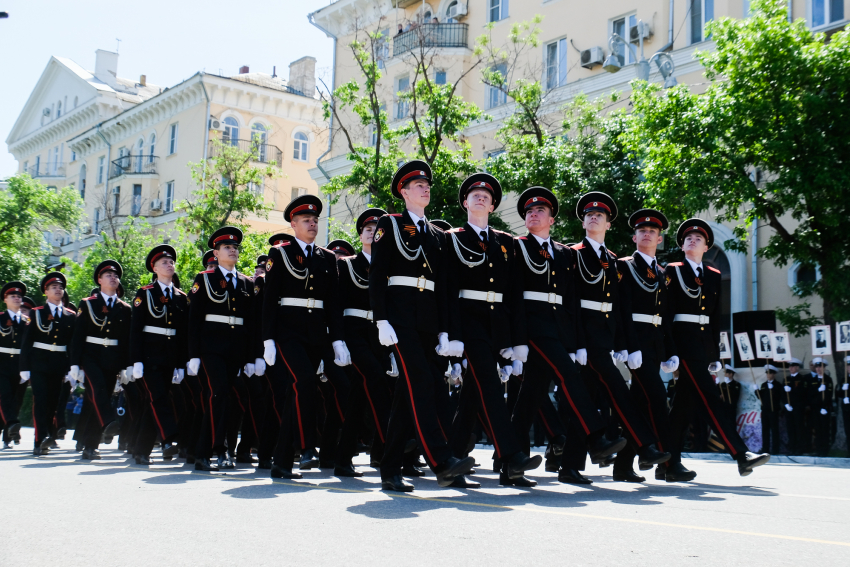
point(400, 30)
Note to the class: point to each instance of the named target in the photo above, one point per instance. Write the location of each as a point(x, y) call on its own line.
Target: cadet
point(795, 416)
point(44, 357)
point(12, 325)
point(694, 292)
point(771, 402)
point(407, 290)
point(820, 400)
point(729, 390)
point(220, 331)
point(159, 351)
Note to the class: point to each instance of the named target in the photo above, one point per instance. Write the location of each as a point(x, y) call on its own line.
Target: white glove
point(847, 400)
point(572, 356)
point(192, 366)
point(673, 363)
point(788, 389)
point(269, 352)
point(259, 366)
point(341, 355)
point(76, 372)
point(248, 369)
point(25, 375)
point(70, 380)
point(443, 344)
point(455, 348)
point(505, 373)
point(516, 368)
point(138, 370)
point(714, 367)
point(845, 386)
point(177, 376)
point(822, 388)
point(457, 374)
point(788, 407)
point(507, 353)
point(770, 385)
point(321, 370)
point(124, 375)
point(622, 356)
point(521, 353)
point(823, 411)
point(386, 333)
point(181, 374)
point(665, 367)
point(393, 371)
point(635, 360)
point(581, 356)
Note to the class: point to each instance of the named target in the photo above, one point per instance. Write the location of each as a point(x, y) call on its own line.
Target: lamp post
point(662, 59)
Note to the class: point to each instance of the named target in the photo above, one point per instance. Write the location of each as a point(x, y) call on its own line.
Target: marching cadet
point(603, 330)
point(771, 402)
point(820, 400)
point(407, 291)
point(158, 353)
point(260, 267)
point(729, 390)
point(341, 248)
point(301, 285)
point(220, 316)
point(99, 351)
point(12, 325)
point(649, 330)
point(795, 416)
point(543, 275)
point(694, 294)
point(44, 357)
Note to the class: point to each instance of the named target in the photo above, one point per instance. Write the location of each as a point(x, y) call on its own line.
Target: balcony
point(133, 165)
point(431, 35)
point(48, 169)
point(265, 153)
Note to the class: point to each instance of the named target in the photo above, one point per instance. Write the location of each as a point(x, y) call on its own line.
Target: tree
point(778, 103)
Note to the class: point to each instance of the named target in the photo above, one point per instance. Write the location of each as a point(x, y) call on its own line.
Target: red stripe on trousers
point(153, 409)
point(413, 409)
point(93, 400)
point(297, 403)
point(710, 413)
point(563, 388)
point(371, 405)
point(274, 405)
point(545, 423)
point(616, 407)
point(483, 405)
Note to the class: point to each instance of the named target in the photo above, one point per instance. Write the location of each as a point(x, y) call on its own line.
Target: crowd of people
point(402, 349)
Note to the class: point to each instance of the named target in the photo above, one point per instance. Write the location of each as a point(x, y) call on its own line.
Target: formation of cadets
point(322, 346)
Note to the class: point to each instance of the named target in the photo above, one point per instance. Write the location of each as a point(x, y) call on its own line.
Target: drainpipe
point(206, 131)
point(669, 45)
point(755, 266)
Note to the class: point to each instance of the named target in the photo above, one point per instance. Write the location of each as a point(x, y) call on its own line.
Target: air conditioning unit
point(45, 112)
point(460, 10)
point(215, 124)
point(634, 33)
point(591, 57)
point(156, 205)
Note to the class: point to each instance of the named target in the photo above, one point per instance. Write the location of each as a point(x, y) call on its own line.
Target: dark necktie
point(56, 313)
point(653, 266)
point(110, 303)
point(484, 240)
point(421, 225)
point(168, 294)
point(699, 274)
point(603, 257)
point(230, 281)
point(545, 245)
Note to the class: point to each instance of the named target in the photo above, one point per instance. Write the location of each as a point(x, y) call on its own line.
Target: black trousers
point(9, 380)
point(219, 374)
point(696, 392)
point(191, 429)
point(845, 410)
point(100, 383)
point(134, 407)
point(822, 431)
point(46, 387)
point(244, 414)
point(335, 393)
point(416, 400)
point(272, 414)
point(770, 430)
point(295, 369)
point(61, 408)
point(158, 410)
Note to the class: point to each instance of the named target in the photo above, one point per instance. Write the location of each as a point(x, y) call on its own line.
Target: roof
point(265, 80)
point(131, 90)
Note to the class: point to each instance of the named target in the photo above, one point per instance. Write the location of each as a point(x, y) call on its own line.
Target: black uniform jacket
point(775, 394)
point(603, 332)
point(406, 253)
point(689, 297)
point(96, 319)
point(210, 295)
point(536, 272)
point(799, 390)
point(259, 294)
point(11, 336)
point(642, 290)
point(476, 266)
point(289, 274)
point(43, 328)
point(817, 399)
point(150, 309)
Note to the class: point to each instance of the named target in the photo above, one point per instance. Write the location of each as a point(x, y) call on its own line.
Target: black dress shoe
point(572, 476)
point(168, 451)
point(265, 464)
point(309, 460)
point(396, 484)
point(112, 429)
point(286, 474)
point(497, 465)
point(678, 473)
point(347, 470)
point(628, 476)
point(36, 452)
point(644, 467)
point(412, 471)
point(521, 482)
point(649, 455)
point(143, 460)
point(419, 463)
point(246, 459)
point(7, 445)
point(80, 446)
point(375, 463)
point(225, 462)
point(603, 447)
point(60, 433)
point(122, 445)
point(661, 472)
point(607, 461)
point(202, 464)
point(520, 463)
point(461, 481)
point(558, 444)
point(13, 432)
point(552, 465)
point(748, 461)
point(452, 467)
point(90, 455)
point(46, 442)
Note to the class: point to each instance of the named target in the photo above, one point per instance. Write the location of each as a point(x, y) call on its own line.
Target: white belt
point(362, 313)
point(298, 302)
point(159, 331)
point(224, 319)
point(5, 350)
point(421, 283)
point(701, 319)
point(102, 342)
point(641, 318)
point(488, 296)
point(540, 296)
point(597, 306)
point(53, 348)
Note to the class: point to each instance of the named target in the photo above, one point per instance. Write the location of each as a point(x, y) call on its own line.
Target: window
point(116, 200)
point(256, 188)
point(800, 274)
point(152, 146)
point(402, 106)
point(497, 96)
point(54, 167)
point(140, 151)
point(301, 146)
point(623, 27)
point(97, 221)
point(26, 166)
point(258, 141)
point(172, 142)
point(826, 11)
point(58, 109)
point(702, 12)
point(73, 155)
point(169, 196)
point(83, 182)
point(231, 131)
point(373, 136)
point(556, 63)
point(137, 201)
point(498, 10)
point(76, 100)
point(37, 166)
point(451, 12)
point(101, 163)
point(440, 77)
point(297, 192)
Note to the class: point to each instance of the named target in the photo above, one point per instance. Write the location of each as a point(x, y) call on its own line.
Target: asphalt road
point(59, 511)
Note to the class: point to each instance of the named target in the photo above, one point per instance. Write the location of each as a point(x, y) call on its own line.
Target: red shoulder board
point(179, 292)
point(675, 264)
point(713, 269)
point(208, 271)
point(37, 308)
point(522, 238)
point(394, 215)
point(578, 246)
point(500, 232)
point(325, 250)
point(87, 298)
point(71, 311)
point(558, 243)
point(147, 286)
point(458, 229)
point(284, 243)
point(626, 258)
point(612, 254)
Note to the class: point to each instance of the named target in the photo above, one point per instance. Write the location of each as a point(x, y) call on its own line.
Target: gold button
point(553, 272)
point(424, 265)
point(234, 309)
point(609, 294)
point(702, 328)
point(606, 315)
point(421, 289)
point(491, 279)
point(311, 287)
point(232, 327)
point(309, 311)
point(169, 322)
point(491, 307)
point(703, 308)
point(554, 285)
point(311, 275)
point(703, 297)
point(491, 264)
point(554, 307)
point(107, 330)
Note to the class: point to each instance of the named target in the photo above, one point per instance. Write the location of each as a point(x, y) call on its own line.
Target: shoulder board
point(500, 232)
point(557, 243)
point(675, 264)
point(122, 302)
point(37, 308)
point(147, 286)
point(522, 238)
point(88, 298)
point(612, 254)
point(394, 215)
point(69, 311)
point(578, 246)
point(207, 271)
point(713, 269)
point(326, 250)
point(627, 258)
point(458, 229)
point(179, 292)
point(284, 243)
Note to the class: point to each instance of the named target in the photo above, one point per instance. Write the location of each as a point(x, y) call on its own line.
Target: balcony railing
point(133, 165)
point(47, 169)
point(431, 35)
point(265, 152)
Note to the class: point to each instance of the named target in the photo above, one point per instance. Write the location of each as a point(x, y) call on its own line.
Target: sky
point(168, 41)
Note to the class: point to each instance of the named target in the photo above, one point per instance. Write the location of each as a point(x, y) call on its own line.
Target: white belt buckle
point(311, 303)
point(605, 307)
point(491, 297)
point(553, 298)
point(656, 320)
point(369, 316)
point(232, 320)
point(421, 282)
point(703, 320)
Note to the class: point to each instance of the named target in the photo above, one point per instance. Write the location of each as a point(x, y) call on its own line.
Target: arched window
point(451, 11)
point(231, 131)
point(259, 137)
point(301, 146)
point(140, 151)
point(152, 146)
point(83, 182)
